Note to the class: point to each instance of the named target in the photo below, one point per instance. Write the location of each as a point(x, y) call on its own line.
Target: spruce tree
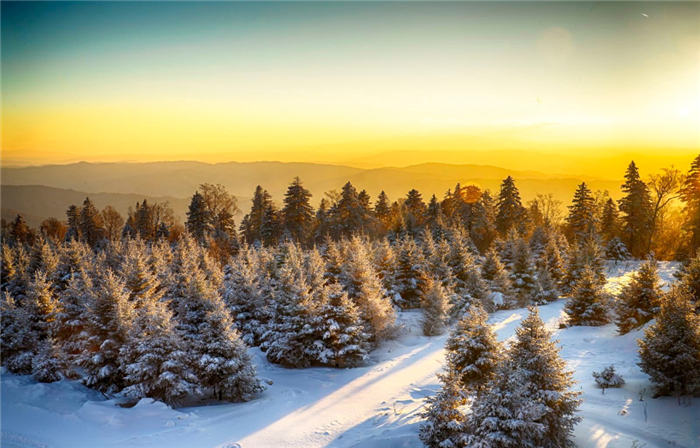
point(298, 215)
point(616, 250)
point(546, 380)
point(409, 272)
point(135, 270)
point(508, 414)
point(109, 320)
point(222, 360)
point(473, 351)
point(639, 300)
point(17, 341)
point(609, 221)
point(382, 209)
point(445, 418)
point(72, 317)
point(484, 230)
point(582, 218)
point(365, 290)
point(636, 208)
point(511, 212)
point(153, 358)
point(342, 339)
point(670, 350)
point(290, 335)
point(384, 261)
point(198, 217)
point(547, 290)
point(689, 276)
point(690, 195)
point(523, 274)
point(246, 295)
point(435, 305)
point(91, 228)
point(588, 304)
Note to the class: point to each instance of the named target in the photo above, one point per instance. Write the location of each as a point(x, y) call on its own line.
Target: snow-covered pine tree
point(289, 339)
point(582, 214)
point(547, 290)
point(71, 318)
point(511, 212)
point(670, 350)
point(297, 214)
point(384, 261)
point(109, 320)
point(508, 414)
point(436, 308)
point(43, 258)
point(546, 380)
point(246, 296)
point(639, 299)
point(153, 357)
point(473, 351)
point(491, 266)
point(608, 378)
point(47, 364)
point(42, 305)
point(523, 274)
point(365, 290)
point(689, 276)
point(636, 208)
point(443, 428)
point(17, 342)
point(342, 340)
point(222, 360)
point(334, 261)
point(587, 253)
point(588, 304)
point(552, 261)
point(409, 272)
point(135, 270)
point(616, 250)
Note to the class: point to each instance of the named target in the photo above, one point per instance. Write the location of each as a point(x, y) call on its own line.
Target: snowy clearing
point(374, 406)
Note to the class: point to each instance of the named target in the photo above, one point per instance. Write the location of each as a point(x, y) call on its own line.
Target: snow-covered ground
point(374, 406)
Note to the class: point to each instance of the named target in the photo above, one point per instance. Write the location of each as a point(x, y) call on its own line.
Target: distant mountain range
point(42, 191)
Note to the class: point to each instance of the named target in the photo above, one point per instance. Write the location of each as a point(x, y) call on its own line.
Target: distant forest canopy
point(657, 215)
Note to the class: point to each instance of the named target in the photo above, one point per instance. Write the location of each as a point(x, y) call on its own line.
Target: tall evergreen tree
point(223, 363)
point(690, 194)
point(91, 228)
point(588, 304)
point(382, 209)
point(636, 208)
point(342, 340)
point(473, 351)
point(297, 212)
point(153, 358)
point(198, 217)
point(546, 381)
point(435, 305)
point(670, 350)
point(511, 212)
point(609, 221)
point(582, 218)
point(444, 417)
point(109, 321)
point(639, 300)
point(508, 414)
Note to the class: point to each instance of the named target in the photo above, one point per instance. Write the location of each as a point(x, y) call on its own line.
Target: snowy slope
point(374, 406)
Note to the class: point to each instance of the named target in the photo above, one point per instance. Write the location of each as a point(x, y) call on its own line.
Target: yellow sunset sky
point(332, 81)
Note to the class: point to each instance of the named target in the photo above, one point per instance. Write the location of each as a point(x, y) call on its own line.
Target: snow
point(373, 406)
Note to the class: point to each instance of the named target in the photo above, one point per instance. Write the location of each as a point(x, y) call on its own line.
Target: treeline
point(659, 215)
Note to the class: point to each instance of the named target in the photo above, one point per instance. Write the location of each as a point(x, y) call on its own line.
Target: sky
point(233, 81)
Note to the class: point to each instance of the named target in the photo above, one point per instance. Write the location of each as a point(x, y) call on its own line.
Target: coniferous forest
point(144, 306)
